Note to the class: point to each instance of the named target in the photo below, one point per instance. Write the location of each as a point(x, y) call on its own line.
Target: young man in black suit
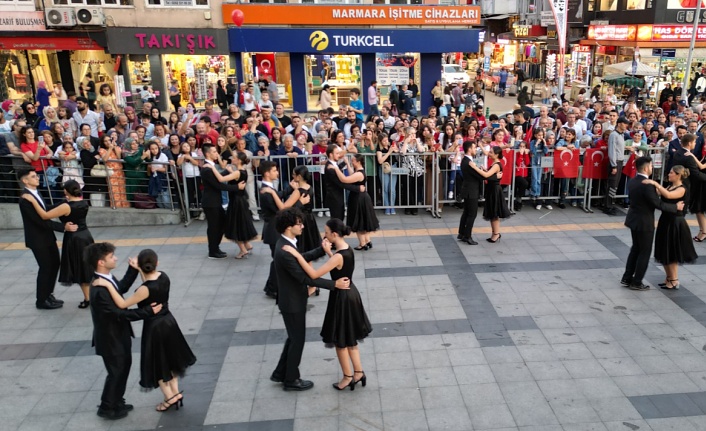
point(39, 237)
point(695, 182)
point(269, 208)
point(293, 284)
point(470, 192)
point(211, 201)
point(641, 221)
point(112, 332)
point(334, 198)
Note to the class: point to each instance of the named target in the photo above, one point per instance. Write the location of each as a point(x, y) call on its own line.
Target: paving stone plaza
point(532, 333)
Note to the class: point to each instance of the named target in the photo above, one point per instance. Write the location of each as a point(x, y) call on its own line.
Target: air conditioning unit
point(60, 17)
point(92, 16)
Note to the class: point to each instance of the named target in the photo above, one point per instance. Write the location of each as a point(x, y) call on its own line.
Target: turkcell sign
point(351, 41)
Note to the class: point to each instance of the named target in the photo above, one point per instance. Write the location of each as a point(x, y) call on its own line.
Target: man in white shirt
point(83, 115)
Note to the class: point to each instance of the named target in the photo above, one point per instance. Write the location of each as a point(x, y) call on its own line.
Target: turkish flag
point(566, 163)
point(629, 168)
point(595, 164)
point(508, 164)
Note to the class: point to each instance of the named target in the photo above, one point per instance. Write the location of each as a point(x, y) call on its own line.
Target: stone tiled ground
point(532, 333)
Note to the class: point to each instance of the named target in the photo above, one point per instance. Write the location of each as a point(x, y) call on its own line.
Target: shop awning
point(496, 16)
point(625, 67)
point(76, 43)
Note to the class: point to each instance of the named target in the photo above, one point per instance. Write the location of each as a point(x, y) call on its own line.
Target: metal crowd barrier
point(414, 181)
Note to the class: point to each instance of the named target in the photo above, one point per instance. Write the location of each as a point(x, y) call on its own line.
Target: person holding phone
point(38, 153)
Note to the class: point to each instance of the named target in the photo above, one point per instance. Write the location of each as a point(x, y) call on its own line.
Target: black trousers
point(118, 368)
point(49, 262)
point(288, 365)
point(337, 207)
point(521, 186)
point(639, 256)
point(468, 218)
point(271, 284)
point(216, 219)
point(611, 188)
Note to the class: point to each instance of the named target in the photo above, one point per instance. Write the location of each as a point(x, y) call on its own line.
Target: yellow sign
point(319, 40)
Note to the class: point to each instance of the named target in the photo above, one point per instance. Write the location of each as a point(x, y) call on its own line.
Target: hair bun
point(346, 231)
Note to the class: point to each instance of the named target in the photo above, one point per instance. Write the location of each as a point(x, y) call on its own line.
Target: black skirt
point(165, 352)
point(673, 242)
point(73, 269)
point(361, 213)
point(345, 321)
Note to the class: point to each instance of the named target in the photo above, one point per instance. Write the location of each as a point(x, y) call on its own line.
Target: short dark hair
point(207, 148)
point(287, 218)
point(81, 99)
point(687, 139)
point(641, 162)
point(266, 166)
point(331, 149)
point(355, 90)
point(373, 82)
point(97, 251)
point(518, 112)
point(467, 145)
point(21, 173)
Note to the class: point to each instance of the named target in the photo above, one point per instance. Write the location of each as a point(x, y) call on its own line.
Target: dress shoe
point(298, 385)
point(470, 241)
point(48, 305)
point(625, 282)
point(460, 237)
point(218, 255)
point(277, 378)
point(53, 299)
point(112, 414)
point(638, 286)
point(126, 407)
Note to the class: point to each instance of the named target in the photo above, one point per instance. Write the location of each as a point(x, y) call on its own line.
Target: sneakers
point(320, 214)
point(393, 212)
point(549, 207)
point(574, 204)
point(538, 207)
point(387, 212)
point(202, 216)
point(451, 195)
point(328, 213)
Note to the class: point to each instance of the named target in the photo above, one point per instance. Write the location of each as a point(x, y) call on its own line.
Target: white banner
point(547, 18)
point(560, 18)
point(397, 75)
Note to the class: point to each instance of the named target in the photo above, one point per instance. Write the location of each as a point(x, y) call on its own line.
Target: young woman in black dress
point(239, 223)
point(361, 211)
point(495, 206)
point(165, 354)
point(311, 235)
point(673, 243)
point(345, 322)
point(73, 268)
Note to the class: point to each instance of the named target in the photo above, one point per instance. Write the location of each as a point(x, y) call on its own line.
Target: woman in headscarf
point(48, 120)
point(134, 168)
point(42, 97)
point(132, 119)
point(29, 110)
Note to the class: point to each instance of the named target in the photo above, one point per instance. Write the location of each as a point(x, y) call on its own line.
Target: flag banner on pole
point(566, 163)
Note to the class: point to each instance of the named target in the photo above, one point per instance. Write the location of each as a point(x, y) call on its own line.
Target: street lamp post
point(687, 72)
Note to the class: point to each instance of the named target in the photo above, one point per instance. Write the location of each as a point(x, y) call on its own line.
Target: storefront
point(30, 54)
point(345, 57)
point(196, 58)
point(357, 57)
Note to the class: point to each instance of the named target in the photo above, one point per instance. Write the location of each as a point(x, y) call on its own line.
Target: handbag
point(144, 202)
point(101, 171)
point(386, 168)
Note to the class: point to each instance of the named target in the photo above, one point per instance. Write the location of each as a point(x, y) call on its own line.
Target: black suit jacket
point(292, 281)
point(470, 188)
point(38, 232)
point(212, 189)
point(112, 331)
point(696, 177)
point(334, 187)
point(269, 210)
point(643, 202)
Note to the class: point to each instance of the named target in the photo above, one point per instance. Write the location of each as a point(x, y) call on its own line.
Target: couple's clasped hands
point(341, 283)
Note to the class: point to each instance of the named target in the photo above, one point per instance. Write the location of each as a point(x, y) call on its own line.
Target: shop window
point(608, 5)
point(17, 4)
point(636, 5)
point(178, 3)
point(94, 2)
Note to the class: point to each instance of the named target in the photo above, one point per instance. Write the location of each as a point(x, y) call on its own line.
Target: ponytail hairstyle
point(147, 260)
point(359, 158)
point(338, 227)
point(303, 172)
point(242, 157)
point(498, 152)
point(73, 188)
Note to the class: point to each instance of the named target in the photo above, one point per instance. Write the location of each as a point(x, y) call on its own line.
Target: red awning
point(56, 43)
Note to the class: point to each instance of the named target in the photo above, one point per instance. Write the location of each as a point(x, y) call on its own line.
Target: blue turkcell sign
point(353, 41)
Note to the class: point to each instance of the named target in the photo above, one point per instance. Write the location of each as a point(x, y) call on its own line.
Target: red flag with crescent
point(508, 164)
point(566, 163)
point(629, 168)
point(595, 164)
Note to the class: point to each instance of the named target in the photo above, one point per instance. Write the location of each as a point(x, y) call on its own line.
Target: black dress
point(345, 322)
point(239, 223)
point(673, 243)
point(495, 206)
point(361, 211)
point(73, 269)
point(311, 236)
point(697, 192)
point(165, 352)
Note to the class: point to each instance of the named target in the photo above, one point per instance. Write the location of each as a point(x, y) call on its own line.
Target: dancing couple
point(345, 322)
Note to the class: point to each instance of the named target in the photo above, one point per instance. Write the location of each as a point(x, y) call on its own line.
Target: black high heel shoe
point(369, 244)
point(166, 405)
point(349, 385)
point(361, 247)
point(363, 380)
point(84, 304)
point(491, 240)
